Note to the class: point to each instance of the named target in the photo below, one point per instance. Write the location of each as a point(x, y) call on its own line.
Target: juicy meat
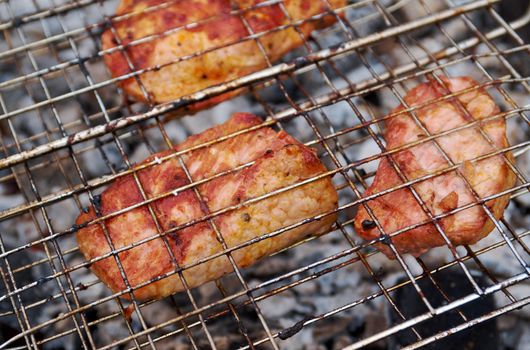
point(219, 33)
point(280, 161)
point(443, 193)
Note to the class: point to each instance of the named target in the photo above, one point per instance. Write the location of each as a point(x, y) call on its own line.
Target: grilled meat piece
point(218, 33)
point(443, 193)
point(279, 161)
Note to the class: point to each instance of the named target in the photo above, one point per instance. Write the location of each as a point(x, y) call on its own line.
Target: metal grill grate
point(62, 115)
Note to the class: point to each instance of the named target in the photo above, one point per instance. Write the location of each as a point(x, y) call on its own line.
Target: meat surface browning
point(443, 193)
point(279, 161)
point(219, 32)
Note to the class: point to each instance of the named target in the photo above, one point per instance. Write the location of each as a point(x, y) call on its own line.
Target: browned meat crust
point(280, 161)
point(221, 28)
point(399, 209)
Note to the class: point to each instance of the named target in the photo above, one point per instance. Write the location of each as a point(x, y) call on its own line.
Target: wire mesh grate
point(68, 130)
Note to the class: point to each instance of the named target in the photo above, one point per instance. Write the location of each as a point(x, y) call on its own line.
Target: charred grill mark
point(368, 224)
point(17, 21)
point(204, 207)
point(385, 239)
point(181, 102)
point(291, 331)
point(175, 237)
point(96, 202)
point(77, 227)
point(300, 62)
point(179, 240)
point(43, 280)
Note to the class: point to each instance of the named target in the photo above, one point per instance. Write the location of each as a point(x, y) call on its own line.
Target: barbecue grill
point(67, 131)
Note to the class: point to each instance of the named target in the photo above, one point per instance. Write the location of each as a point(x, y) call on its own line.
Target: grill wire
point(67, 136)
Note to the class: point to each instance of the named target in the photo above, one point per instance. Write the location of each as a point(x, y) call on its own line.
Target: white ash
point(94, 163)
point(218, 114)
point(277, 306)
